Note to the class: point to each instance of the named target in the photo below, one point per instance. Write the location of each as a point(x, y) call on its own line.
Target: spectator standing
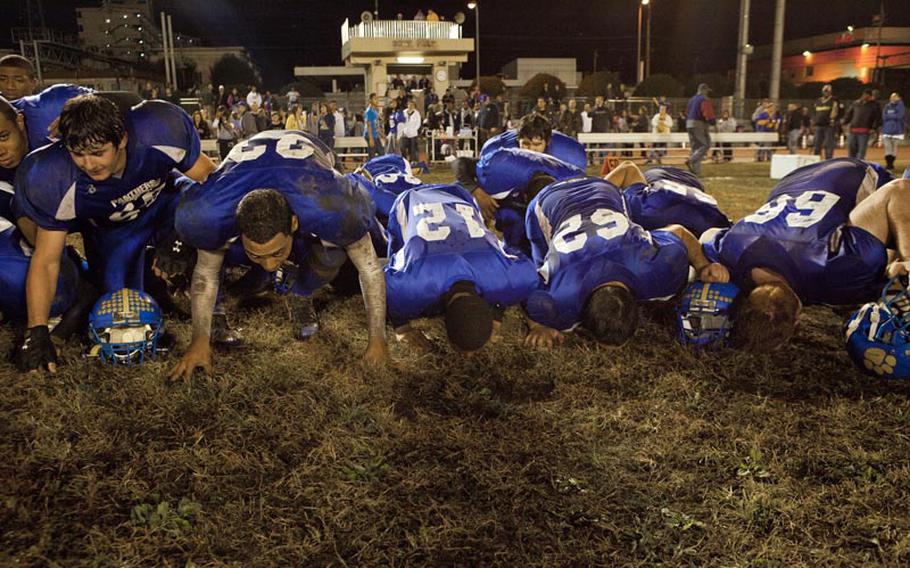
point(201, 126)
point(488, 120)
point(253, 97)
point(372, 131)
point(543, 108)
point(862, 117)
point(699, 119)
point(420, 16)
point(340, 130)
point(293, 96)
point(262, 118)
point(268, 102)
point(233, 98)
point(601, 118)
point(894, 119)
point(221, 99)
point(247, 121)
point(296, 119)
point(225, 132)
point(465, 119)
point(410, 132)
point(824, 121)
point(726, 123)
point(766, 121)
point(327, 126)
point(570, 121)
point(432, 16)
point(661, 123)
point(586, 120)
point(795, 129)
point(396, 117)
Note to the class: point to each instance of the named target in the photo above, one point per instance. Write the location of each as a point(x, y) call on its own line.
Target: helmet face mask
point(704, 315)
point(877, 336)
point(125, 326)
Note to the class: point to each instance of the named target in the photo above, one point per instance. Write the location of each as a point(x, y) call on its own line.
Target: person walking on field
point(700, 118)
point(894, 119)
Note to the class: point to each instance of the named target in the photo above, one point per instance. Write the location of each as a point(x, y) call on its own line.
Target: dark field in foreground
point(294, 454)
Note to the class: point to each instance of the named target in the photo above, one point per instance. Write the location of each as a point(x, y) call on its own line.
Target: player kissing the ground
point(822, 237)
point(442, 259)
point(279, 194)
point(596, 264)
point(108, 177)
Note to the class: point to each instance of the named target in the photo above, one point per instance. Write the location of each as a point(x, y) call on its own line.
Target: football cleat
point(877, 335)
point(704, 315)
point(125, 327)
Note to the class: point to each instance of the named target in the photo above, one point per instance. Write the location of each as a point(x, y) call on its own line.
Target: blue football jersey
point(564, 147)
point(386, 187)
point(436, 238)
point(506, 172)
point(673, 196)
point(39, 112)
point(6, 194)
point(334, 208)
point(802, 234)
point(58, 196)
point(581, 238)
point(15, 254)
point(387, 164)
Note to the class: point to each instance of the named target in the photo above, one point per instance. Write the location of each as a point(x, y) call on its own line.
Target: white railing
point(400, 29)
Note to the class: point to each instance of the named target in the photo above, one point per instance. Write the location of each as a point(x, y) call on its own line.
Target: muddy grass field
point(296, 455)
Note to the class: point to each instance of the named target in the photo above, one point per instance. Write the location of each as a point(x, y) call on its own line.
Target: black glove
point(174, 257)
point(37, 351)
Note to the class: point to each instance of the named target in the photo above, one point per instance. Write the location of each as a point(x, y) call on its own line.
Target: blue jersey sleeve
point(42, 110)
point(507, 172)
point(168, 129)
point(568, 150)
point(45, 188)
point(387, 164)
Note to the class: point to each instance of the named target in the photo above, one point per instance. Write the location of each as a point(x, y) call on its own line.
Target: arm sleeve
point(167, 128)
point(539, 246)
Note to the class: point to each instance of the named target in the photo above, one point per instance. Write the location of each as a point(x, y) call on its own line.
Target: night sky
point(688, 36)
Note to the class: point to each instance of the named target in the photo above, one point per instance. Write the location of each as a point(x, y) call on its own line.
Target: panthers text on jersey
point(582, 238)
point(58, 196)
point(437, 238)
point(329, 206)
point(802, 234)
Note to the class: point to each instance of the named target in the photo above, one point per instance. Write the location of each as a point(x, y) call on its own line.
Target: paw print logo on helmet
point(877, 335)
point(125, 327)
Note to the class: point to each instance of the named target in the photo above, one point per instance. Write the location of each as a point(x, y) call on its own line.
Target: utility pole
point(648, 45)
point(742, 49)
point(595, 61)
point(167, 59)
point(777, 50)
point(880, 20)
point(170, 31)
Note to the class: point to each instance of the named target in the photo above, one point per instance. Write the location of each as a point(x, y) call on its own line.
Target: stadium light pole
point(648, 45)
point(639, 69)
point(475, 5)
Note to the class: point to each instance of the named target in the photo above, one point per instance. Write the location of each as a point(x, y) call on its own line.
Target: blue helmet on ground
point(704, 315)
point(125, 326)
point(878, 334)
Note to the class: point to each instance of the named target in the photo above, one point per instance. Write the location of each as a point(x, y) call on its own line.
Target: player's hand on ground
point(197, 356)
point(415, 339)
point(37, 351)
point(542, 337)
point(487, 204)
point(377, 353)
point(898, 268)
point(714, 272)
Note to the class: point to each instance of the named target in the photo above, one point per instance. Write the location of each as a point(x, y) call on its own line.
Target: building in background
point(852, 53)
